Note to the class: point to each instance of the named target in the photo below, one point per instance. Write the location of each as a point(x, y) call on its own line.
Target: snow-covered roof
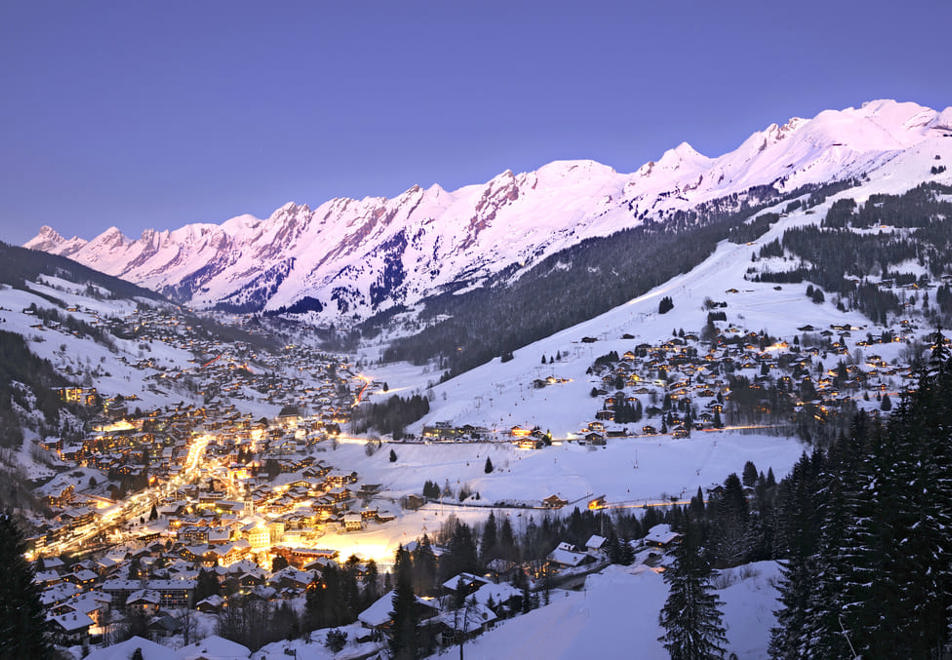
point(45, 576)
point(58, 592)
point(89, 602)
point(72, 621)
point(84, 575)
point(566, 557)
point(214, 600)
point(465, 577)
point(124, 650)
point(499, 593)
point(468, 618)
point(661, 534)
point(143, 596)
point(595, 542)
point(379, 613)
point(214, 648)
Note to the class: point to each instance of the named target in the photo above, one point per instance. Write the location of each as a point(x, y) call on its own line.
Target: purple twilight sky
point(157, 114)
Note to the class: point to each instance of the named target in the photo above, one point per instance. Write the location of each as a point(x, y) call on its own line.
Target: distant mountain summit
point(348, 259)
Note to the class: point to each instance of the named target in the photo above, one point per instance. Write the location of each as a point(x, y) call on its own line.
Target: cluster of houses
point(660, 379)
point(469, 604)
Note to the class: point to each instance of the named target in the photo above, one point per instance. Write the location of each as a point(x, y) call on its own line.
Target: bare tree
point(187, 621)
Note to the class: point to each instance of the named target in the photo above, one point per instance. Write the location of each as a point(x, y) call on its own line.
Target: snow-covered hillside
point(616, 616)
point(351, 258)
point(500, 394)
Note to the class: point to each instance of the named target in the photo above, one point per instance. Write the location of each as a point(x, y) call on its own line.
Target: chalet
point(553, 502)
point(441, 431)
point(71, 628)
point(58, 593)
point(454, 626)
point(302, 557)
point(529, 443)
point(503, 597)
point(595, 543)
point(93, 604)
point(463, 585)
point(163, 625)
point(290, 577)
point(520, 431)
point(501, 569)
point(81, 578)
point(143, 601)
point(353, 522)
point(377, 616)
point(211, 604)
point(594, 439)
point(661, 536)
point(85, 396)
point(566, 556)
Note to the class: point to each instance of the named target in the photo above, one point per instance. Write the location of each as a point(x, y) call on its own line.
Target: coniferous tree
point(823, 630)
point(404, 640)
point(424, 568)
point(796, 536)
point(488, 468)
point(490, 540)
point(691, 616)
point(732, 517)
point(460, 553)
point(371, 587)
point(507, 542)
point(750, 474)
point(207, 585)
point(22, 619)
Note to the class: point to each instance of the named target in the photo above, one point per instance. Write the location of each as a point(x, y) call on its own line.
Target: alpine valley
point(481, 417)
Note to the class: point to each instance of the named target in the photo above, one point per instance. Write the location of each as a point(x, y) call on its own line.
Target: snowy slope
point(616, 616)
point(352, 258)
point(500, 395)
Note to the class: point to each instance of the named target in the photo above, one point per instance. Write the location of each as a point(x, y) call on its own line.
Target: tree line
point(391, 416)
point(463, 331)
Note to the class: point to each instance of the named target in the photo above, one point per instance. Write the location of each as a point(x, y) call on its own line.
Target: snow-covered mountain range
point(348, 259)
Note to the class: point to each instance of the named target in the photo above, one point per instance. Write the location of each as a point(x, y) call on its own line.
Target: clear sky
point(140, 114)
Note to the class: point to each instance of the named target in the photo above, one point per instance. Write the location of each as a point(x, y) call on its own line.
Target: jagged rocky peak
point(47, 238)
point(473, 232)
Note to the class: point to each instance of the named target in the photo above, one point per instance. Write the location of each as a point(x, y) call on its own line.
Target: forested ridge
point(862, 526)
point(582, 281)
point(19, 265)
point(879, 239)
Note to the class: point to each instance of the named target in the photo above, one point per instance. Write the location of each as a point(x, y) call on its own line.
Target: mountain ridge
point(355, 258)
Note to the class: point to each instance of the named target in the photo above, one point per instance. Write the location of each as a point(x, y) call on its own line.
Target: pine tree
point(22, 619)
point(691, 616)
point(488, 468)
point(207, 585)
point(507, 542)
point(460, 555)
point(404, 640)
point(795, 538)
point(424, 568)
point(825, 603)
point(490, 539)
point(750, 474)
point(627, 554)
point(371, 589)
point(732, 519)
